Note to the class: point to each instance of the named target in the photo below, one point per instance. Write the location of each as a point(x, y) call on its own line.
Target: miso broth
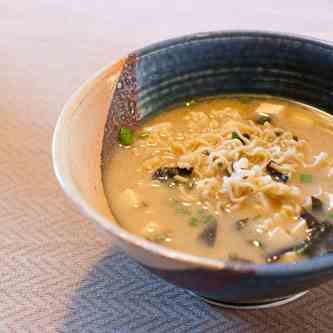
point(244, 178)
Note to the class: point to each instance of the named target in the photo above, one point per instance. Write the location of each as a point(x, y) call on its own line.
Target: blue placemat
point(118, 295)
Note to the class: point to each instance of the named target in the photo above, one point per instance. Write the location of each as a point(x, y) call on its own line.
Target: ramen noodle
point(243, 178)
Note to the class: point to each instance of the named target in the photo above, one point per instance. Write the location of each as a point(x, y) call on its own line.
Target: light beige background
point(47, 49)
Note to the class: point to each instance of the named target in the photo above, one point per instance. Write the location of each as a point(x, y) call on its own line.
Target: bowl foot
point(252, 306)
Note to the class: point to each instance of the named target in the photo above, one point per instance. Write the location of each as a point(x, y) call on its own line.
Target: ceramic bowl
point(166, 73)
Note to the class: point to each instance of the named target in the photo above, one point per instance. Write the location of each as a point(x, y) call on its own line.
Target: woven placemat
point(57, 272)
point(118, 295)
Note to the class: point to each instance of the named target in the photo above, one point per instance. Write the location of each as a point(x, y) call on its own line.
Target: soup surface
point(245, 178)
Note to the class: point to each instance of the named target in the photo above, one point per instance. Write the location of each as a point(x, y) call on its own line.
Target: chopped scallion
point(305, 178)
point(182, 210)
point(193, 221)
point(209, 219)
point(126, 136)
point(201, 212)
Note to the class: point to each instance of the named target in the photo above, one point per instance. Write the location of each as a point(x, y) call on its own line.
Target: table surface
point(57, 272)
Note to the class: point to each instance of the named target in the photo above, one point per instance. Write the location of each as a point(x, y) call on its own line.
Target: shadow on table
point(118, 295)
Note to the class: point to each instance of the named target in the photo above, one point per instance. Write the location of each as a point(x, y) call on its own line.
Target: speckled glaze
point(123, 111)
point(207, 64)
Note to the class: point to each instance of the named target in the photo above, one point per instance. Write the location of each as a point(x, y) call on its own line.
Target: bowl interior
point(235, 62)
point(154, 78)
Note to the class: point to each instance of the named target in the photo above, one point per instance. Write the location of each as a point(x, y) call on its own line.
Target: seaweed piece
point(319, 241)
point(208, 235)
point(295, 137)
point(234, 135)
point(320, 231)
point(303, 248)
point(228, 172)
point(278, 133)
point(320, 236)
point(206, 152)
point(275, 174)
point(316, 204)
point(310, 220)
point(317, 244)
point(247, 136)
point(165, 173)
point(329, 242)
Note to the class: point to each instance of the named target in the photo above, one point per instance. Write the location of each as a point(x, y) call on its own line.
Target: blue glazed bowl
point(167, 73)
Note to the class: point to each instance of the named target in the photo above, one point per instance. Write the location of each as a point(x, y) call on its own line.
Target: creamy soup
point(244, 178)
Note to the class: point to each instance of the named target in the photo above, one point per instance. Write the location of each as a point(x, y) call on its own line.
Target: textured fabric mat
point(117, 295)
point(57, 272)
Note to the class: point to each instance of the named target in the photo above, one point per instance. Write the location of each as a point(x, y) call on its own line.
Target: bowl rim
point(311, 265)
